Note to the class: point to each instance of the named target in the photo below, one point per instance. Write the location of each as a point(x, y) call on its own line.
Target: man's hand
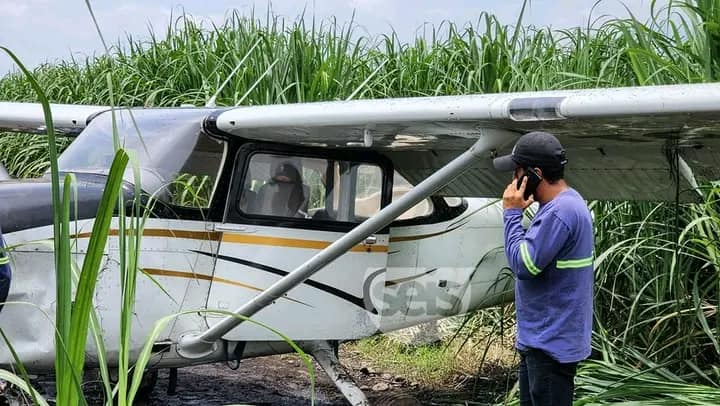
point(514, 198)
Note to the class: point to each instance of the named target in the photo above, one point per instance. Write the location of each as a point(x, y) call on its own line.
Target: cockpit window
point(310, 188)
point(179, 163)
point(422, 209)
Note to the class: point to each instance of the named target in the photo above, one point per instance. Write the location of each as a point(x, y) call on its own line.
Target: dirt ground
point(284, 380)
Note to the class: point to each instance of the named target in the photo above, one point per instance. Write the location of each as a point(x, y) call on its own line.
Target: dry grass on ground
point(472, 369)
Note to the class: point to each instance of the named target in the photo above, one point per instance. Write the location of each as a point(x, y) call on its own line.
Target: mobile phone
point(533, 181)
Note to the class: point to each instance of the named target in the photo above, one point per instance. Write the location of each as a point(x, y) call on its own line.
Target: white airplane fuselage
point(231, 218)
point(412, 275)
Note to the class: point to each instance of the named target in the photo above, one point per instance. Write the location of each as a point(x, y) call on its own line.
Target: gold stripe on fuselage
point(245, 239)
point(193, 275)
point(294, 243)
point(159, 232)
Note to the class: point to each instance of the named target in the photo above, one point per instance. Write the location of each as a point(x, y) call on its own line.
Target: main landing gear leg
point(324, 354)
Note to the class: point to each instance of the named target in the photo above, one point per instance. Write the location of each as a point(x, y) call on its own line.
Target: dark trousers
point(4, 285)
point(544, 381)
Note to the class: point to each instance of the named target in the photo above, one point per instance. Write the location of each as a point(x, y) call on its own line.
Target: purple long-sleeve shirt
point(553, 265)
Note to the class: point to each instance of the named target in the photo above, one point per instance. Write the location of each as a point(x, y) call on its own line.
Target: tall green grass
point(658, 282)
point(309, 61)
point(72, 316)
point(658, 290)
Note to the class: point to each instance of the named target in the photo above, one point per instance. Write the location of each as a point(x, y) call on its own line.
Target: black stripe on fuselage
point(357, 301)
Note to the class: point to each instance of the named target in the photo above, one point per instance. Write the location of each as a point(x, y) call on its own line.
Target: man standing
point(5, 273)
point(553, 265)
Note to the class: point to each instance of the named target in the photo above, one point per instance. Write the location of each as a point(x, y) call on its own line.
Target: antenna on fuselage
point(211, 101)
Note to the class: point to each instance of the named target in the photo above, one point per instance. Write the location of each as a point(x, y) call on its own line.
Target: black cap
point(535, 149)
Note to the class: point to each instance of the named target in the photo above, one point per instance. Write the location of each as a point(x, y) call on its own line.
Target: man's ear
point(539, 172)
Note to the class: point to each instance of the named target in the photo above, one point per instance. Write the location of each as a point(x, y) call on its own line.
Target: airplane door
point(285, 207)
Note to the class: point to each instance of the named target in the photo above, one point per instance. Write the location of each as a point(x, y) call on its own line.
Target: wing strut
point(193, 346)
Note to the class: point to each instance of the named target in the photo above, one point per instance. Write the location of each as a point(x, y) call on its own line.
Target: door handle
point(234, 227)
point(371, 240)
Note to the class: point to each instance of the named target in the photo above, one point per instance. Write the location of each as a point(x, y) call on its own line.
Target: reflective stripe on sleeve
point(527, 260)
point(575, 263)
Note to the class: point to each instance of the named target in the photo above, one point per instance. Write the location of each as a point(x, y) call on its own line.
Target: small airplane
point(328, 221)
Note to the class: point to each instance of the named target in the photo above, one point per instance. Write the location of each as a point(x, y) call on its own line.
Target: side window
point(275, 185)
point(402, 186)
point(368, 191)
point(194, 183)
point(320, 189)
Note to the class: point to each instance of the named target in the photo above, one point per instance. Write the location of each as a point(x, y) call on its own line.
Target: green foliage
point(428, 363)
point(27, 156)
point(302, 61)
point(191, 190)
point(658, 289)
point(72, 316)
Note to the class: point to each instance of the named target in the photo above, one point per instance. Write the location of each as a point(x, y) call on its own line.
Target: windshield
point(169, 144)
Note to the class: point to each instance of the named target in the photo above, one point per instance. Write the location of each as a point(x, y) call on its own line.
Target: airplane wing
point(635, 143)
point(68, 119)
